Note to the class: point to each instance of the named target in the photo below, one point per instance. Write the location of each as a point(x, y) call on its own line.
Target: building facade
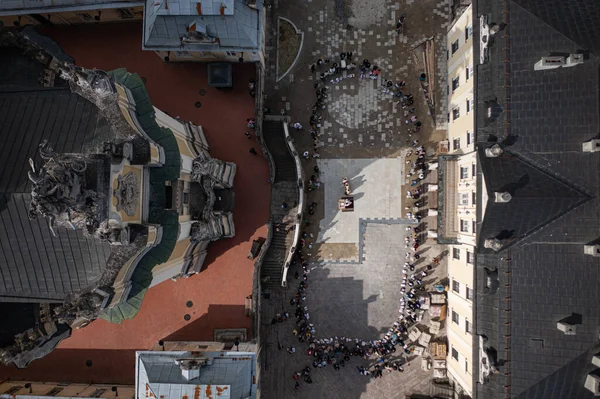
point(119, 196)
point(458, 192)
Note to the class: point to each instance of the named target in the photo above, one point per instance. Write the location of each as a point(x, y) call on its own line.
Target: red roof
point(218, 292)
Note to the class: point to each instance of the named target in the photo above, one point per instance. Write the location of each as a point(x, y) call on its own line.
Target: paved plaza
point(361, 300)
point(356, 257)
point(376, 186)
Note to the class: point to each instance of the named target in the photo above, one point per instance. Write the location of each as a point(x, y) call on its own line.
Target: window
point(474, 198)
point(474, 170)
point(85, 17)
point(168, 197)
point(470, 257)
point(468, 326)
point(455, 253)
point(456, 286)
point(448, 117)
point(455, 113)
point(464, 172)
point(455, 83)
point(471, 140)
point(454, 354)
point(97, 393)
point(464, 198)
point(231, 53)
point(468, 32)
point(464, 226)
point(455, 46)
point(466, 366)
point(455, 317)
point(470, 293)
point(54, 391)
point(12, 390)
point(124, 13)
point(474, 227)
point(456, 143)
point(469, 104)
point(468, 71)
point(448, 89)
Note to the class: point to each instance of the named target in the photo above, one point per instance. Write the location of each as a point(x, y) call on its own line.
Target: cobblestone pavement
point(358, 295)
point(361, 119)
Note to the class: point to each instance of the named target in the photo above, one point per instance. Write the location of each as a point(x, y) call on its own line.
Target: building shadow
point(336, 308)
point(88, 366)
point(217, 317)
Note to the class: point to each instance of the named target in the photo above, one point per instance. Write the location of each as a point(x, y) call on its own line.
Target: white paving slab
point(377, 189)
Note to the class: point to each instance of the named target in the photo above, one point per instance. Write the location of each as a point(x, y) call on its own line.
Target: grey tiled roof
point(242, 30)
point(160, 372)
point(34, 265)
point(542, 120)
point(57, 5)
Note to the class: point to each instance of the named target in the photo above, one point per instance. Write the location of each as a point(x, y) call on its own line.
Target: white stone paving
point(376, 185)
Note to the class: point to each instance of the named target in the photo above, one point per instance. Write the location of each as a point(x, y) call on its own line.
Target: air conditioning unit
point(551, 62)
point(574, 59)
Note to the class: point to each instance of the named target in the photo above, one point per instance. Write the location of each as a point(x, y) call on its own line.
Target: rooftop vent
point(592, 383)
point(574, 59)
point(557, 61)
point(591, 146)
point(494, 151)
point(549, 63)
point(502, 197)
point(493, 243)
point(566, 328)
point(593, 250)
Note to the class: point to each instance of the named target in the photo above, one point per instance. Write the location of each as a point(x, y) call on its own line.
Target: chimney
point(573, 59)
point(566, 328)
point(592, 383)
point(190, 368)
point(502, 197)
point(494, 151)
point(493, 243)
point(591, 146)
point(593, 250)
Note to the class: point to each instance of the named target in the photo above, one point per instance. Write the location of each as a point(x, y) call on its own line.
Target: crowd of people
point(392, 352)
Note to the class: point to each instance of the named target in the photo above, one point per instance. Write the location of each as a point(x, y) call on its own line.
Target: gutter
point(73, 8)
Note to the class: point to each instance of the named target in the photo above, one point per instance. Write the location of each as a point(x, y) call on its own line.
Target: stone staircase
point(284, 189)
point(285, 169)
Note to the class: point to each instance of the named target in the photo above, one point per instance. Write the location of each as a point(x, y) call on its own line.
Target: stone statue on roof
point(59, 193)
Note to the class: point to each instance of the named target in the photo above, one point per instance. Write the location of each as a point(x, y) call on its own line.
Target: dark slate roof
point(543, 119)
point(578, 22)
point(34, 265)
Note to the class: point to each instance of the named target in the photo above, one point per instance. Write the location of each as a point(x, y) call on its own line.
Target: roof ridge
point(522, 157)
point(539, 18)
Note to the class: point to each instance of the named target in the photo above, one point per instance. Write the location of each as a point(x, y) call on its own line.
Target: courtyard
point(356, 258)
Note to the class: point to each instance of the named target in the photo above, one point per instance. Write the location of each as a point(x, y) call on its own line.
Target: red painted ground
point(218, 292)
